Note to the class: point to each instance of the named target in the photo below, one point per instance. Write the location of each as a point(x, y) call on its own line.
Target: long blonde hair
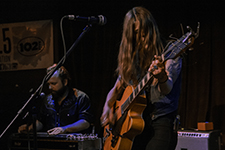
point(138, 47)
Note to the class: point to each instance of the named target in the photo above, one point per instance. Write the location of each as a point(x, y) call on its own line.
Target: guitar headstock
point(195, 35)
point(197, 32)
point(181, 45)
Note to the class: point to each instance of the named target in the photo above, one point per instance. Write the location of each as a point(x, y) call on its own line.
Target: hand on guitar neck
point(157, 69)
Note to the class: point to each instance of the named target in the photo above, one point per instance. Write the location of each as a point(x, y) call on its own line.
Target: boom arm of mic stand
point(59, 64)
point(48, 76)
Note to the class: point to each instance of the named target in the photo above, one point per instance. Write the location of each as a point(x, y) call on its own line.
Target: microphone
point(101, 20)
point(40, 96)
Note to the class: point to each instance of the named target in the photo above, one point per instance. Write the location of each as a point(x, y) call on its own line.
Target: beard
point(58, 94)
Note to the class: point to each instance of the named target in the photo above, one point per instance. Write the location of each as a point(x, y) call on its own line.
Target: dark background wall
point(94, 60)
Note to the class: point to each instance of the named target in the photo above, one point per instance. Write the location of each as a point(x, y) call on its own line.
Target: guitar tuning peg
point(197, 32)
point(189, 28)
point(191, 49)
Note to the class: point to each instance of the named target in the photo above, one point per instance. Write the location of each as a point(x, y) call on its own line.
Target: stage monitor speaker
point(198, 140)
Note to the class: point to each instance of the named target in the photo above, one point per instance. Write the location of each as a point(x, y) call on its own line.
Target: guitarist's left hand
point(157, 68)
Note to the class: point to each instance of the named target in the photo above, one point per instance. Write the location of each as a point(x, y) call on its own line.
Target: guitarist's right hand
point(104, 118)
point(108, 117)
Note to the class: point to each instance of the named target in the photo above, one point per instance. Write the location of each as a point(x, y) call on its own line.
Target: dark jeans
point(157, 135)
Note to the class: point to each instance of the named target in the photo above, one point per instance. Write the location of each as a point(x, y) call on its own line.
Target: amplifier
point(198, 140)
point(58, 142)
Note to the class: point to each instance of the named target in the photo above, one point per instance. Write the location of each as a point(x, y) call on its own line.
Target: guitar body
point(128, 124)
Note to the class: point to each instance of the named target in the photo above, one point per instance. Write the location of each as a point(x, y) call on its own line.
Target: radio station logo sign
point(31, 46)
point(26, 45)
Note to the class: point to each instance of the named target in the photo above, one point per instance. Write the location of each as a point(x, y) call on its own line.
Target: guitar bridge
point(114, 141)
point(107, 135)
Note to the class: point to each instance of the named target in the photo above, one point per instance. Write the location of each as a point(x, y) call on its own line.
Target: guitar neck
point(139, 88)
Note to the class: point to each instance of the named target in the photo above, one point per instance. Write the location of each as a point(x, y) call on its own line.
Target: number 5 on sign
point(6, 49)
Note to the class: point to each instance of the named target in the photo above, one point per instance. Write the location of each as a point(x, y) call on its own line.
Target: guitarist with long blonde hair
point(140, 52)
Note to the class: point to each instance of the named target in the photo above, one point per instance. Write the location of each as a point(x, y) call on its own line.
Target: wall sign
point(26, 45)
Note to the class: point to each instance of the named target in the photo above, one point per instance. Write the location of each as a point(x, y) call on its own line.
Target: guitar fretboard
point(142, 84)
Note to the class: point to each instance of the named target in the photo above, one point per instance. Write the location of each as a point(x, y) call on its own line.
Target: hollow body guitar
point(129, 124)
point(129, 121)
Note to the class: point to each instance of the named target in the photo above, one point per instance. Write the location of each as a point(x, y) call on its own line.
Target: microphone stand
point(46, 78)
